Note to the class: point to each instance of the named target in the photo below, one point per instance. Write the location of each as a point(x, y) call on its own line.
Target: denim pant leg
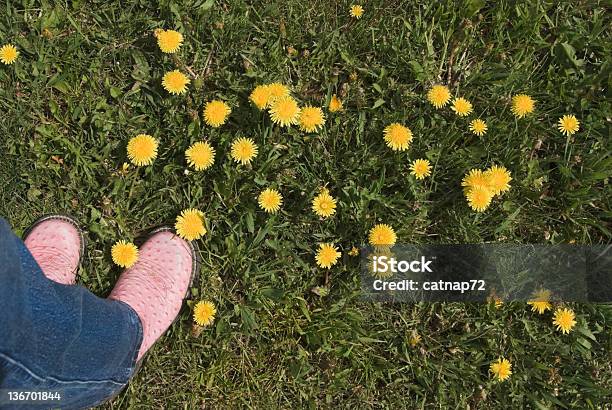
point(59, 338)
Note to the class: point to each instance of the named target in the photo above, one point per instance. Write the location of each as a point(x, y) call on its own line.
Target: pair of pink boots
point(154, 287)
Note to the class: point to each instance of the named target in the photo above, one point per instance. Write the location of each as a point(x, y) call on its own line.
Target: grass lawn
point(88, 78)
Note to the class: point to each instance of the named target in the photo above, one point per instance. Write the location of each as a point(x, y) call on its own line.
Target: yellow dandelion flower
point(415, 339)
point(479, 198)
point(568, 125)
point(260, 96)
point(324, 204)
point(335, 104)
point(244, 150)
point(124, 254)
point(356, 11)
point(478, 127)
point(397, 136)
point(200, 155)
point(354, 251)
point(142, 149)
point(270, 200)
point(475, 178)
point(462, 107)
point(498, 179)
point(382, 235)
point(8, 54)
point(169, 41)
point(564, 320)
point(277, 90)
point(285, 111)
point(420, 168)
point(522, 105)
point(190, 224)
point(327, 255)
point(311, 119)
point(216, 113)
point(501, 369)
point(125, 168)
point(541, 301)
point(175, 82)
point(439, 95)
point(204, 313)
point(496, 300)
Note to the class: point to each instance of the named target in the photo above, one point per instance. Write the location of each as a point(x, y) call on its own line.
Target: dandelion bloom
point(354, 251)
point(439, 95)
point(495, 300)
point(124, 254)
point(125, 167)
point(216, 113)
point(324, 204)
point(8, 54)
point(564, 320)
point(204, 313)
point(285, 111)
point(397, 136)
point(200, 155)
point(415, 339)
point(478, 127)
point(541, 301)
point(244, 150)
point(311, 119)
point(420, 168)
point(327, 255)
point(142, 149)
point(568, 125)
point(260, 96)
point(169, 41)
point(522, 105)
point(501, 369)
point(356, 11)
point(277, 90)
point(270, 200)
point(382, 235)
point(475, 178)
point(190, 224)
point(498, 179)
point(175, 82)
point(462, 107)
point(479, 198)
point(335, 104)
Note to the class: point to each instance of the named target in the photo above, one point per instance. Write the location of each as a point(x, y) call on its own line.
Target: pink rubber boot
point(57, 244)
point(157, 284)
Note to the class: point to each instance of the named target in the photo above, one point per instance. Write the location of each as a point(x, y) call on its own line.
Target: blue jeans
point(59, 338)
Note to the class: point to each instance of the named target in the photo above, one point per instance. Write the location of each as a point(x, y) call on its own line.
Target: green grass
point(88, 79)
